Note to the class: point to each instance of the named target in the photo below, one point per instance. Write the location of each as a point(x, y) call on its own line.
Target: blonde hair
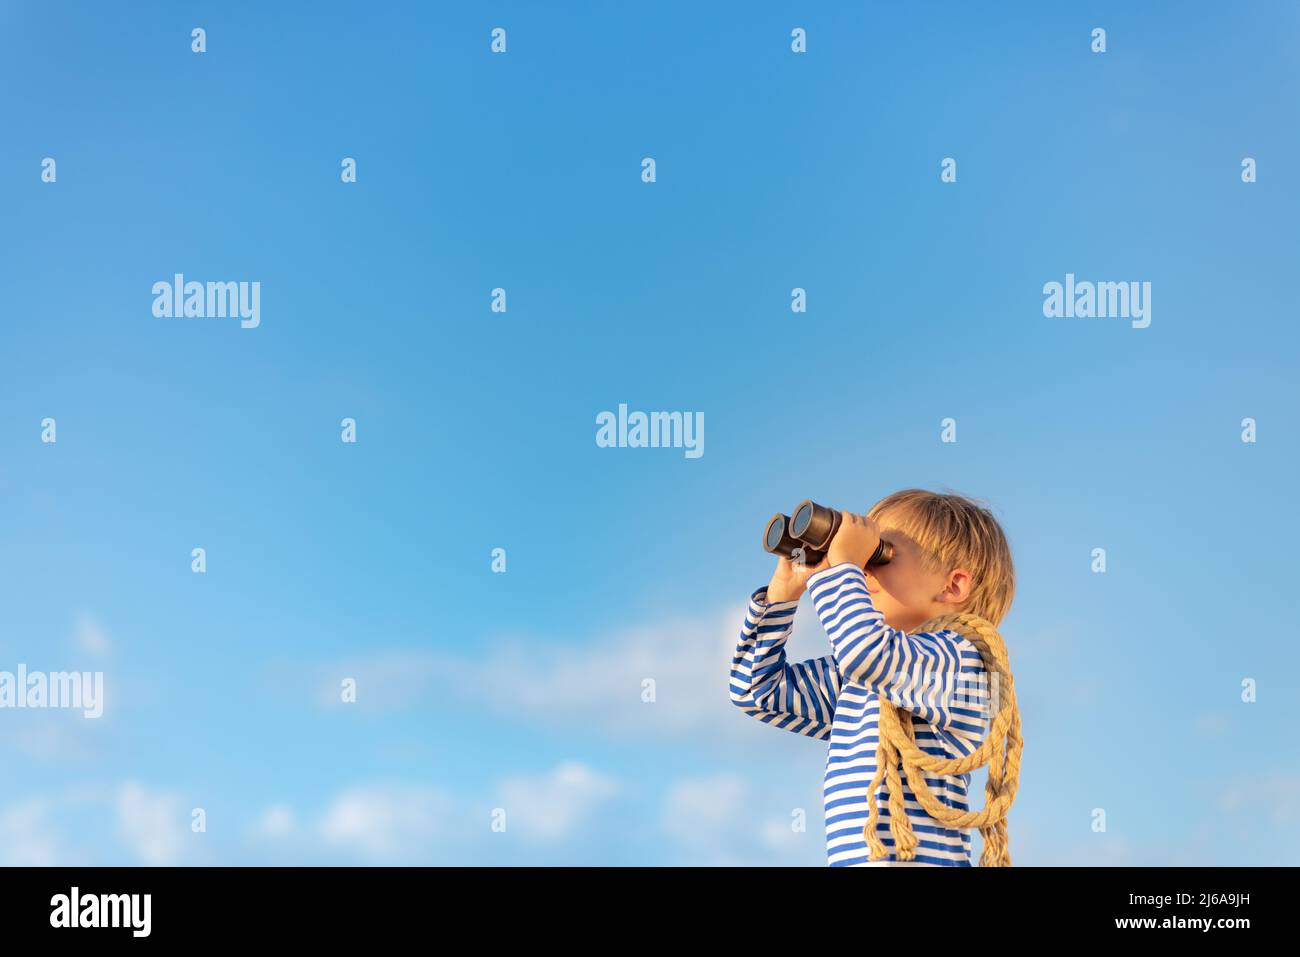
point(956, 532)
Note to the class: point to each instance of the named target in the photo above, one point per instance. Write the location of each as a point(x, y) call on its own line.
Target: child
point(950, 555)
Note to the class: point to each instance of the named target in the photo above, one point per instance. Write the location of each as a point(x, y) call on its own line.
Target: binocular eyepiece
point(808, 534)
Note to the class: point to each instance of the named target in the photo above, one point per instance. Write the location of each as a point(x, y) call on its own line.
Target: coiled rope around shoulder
point(1000, 750)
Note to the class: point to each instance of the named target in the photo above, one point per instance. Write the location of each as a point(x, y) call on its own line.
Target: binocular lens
point(802, 518)
point(814, 524)
point(775, 532)
point(778, 541)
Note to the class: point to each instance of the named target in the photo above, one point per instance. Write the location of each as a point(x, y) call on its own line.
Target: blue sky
point(476, 429)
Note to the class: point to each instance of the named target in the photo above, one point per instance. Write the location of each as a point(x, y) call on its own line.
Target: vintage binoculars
point(809, 534)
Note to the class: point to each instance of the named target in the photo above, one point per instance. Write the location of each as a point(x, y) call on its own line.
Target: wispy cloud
point(555, 813)
point(388, 824)
point(1274, 794)
point(150, 827)
point(28, 836)
point(666, 680)
point(91, 637)
point(723, 820)
point(277, 822)
point(555, 806)
point(153, 825)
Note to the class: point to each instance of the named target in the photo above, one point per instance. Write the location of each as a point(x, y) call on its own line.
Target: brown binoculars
point(807, 535)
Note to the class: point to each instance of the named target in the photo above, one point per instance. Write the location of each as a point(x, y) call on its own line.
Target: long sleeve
point(797, 697)
point(940, 676)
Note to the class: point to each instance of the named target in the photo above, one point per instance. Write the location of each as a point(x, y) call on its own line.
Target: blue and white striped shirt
point(938, 677)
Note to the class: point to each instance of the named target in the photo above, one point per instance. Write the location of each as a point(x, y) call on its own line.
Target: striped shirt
point(937, 679)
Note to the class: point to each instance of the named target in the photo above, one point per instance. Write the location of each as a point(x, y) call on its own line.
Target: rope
point(1000, 750)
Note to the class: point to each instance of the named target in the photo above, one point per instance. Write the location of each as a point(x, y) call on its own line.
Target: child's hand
point(855, 541)
point(790, 579)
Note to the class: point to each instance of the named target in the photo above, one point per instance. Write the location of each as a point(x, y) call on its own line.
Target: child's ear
point(959, 586)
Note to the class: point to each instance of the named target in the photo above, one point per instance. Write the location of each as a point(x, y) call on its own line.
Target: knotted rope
point(1000, 750)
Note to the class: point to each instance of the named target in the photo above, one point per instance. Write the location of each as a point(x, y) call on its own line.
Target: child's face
point(904, 591)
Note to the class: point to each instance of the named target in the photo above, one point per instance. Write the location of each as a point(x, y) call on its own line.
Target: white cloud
point(57, 737)
point(28, 837)
point(598, 685)
point(91, 637)
point(1276, 794)
point(779, 836)
point(696, 810)
point(277, 822)
point(555, 806)
point(153, 825)
point(396, 823)
point(382, 823)
point(720, 821)
point(384, 682)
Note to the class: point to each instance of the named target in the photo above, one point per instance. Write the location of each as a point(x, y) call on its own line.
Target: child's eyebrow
point(900, 539)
